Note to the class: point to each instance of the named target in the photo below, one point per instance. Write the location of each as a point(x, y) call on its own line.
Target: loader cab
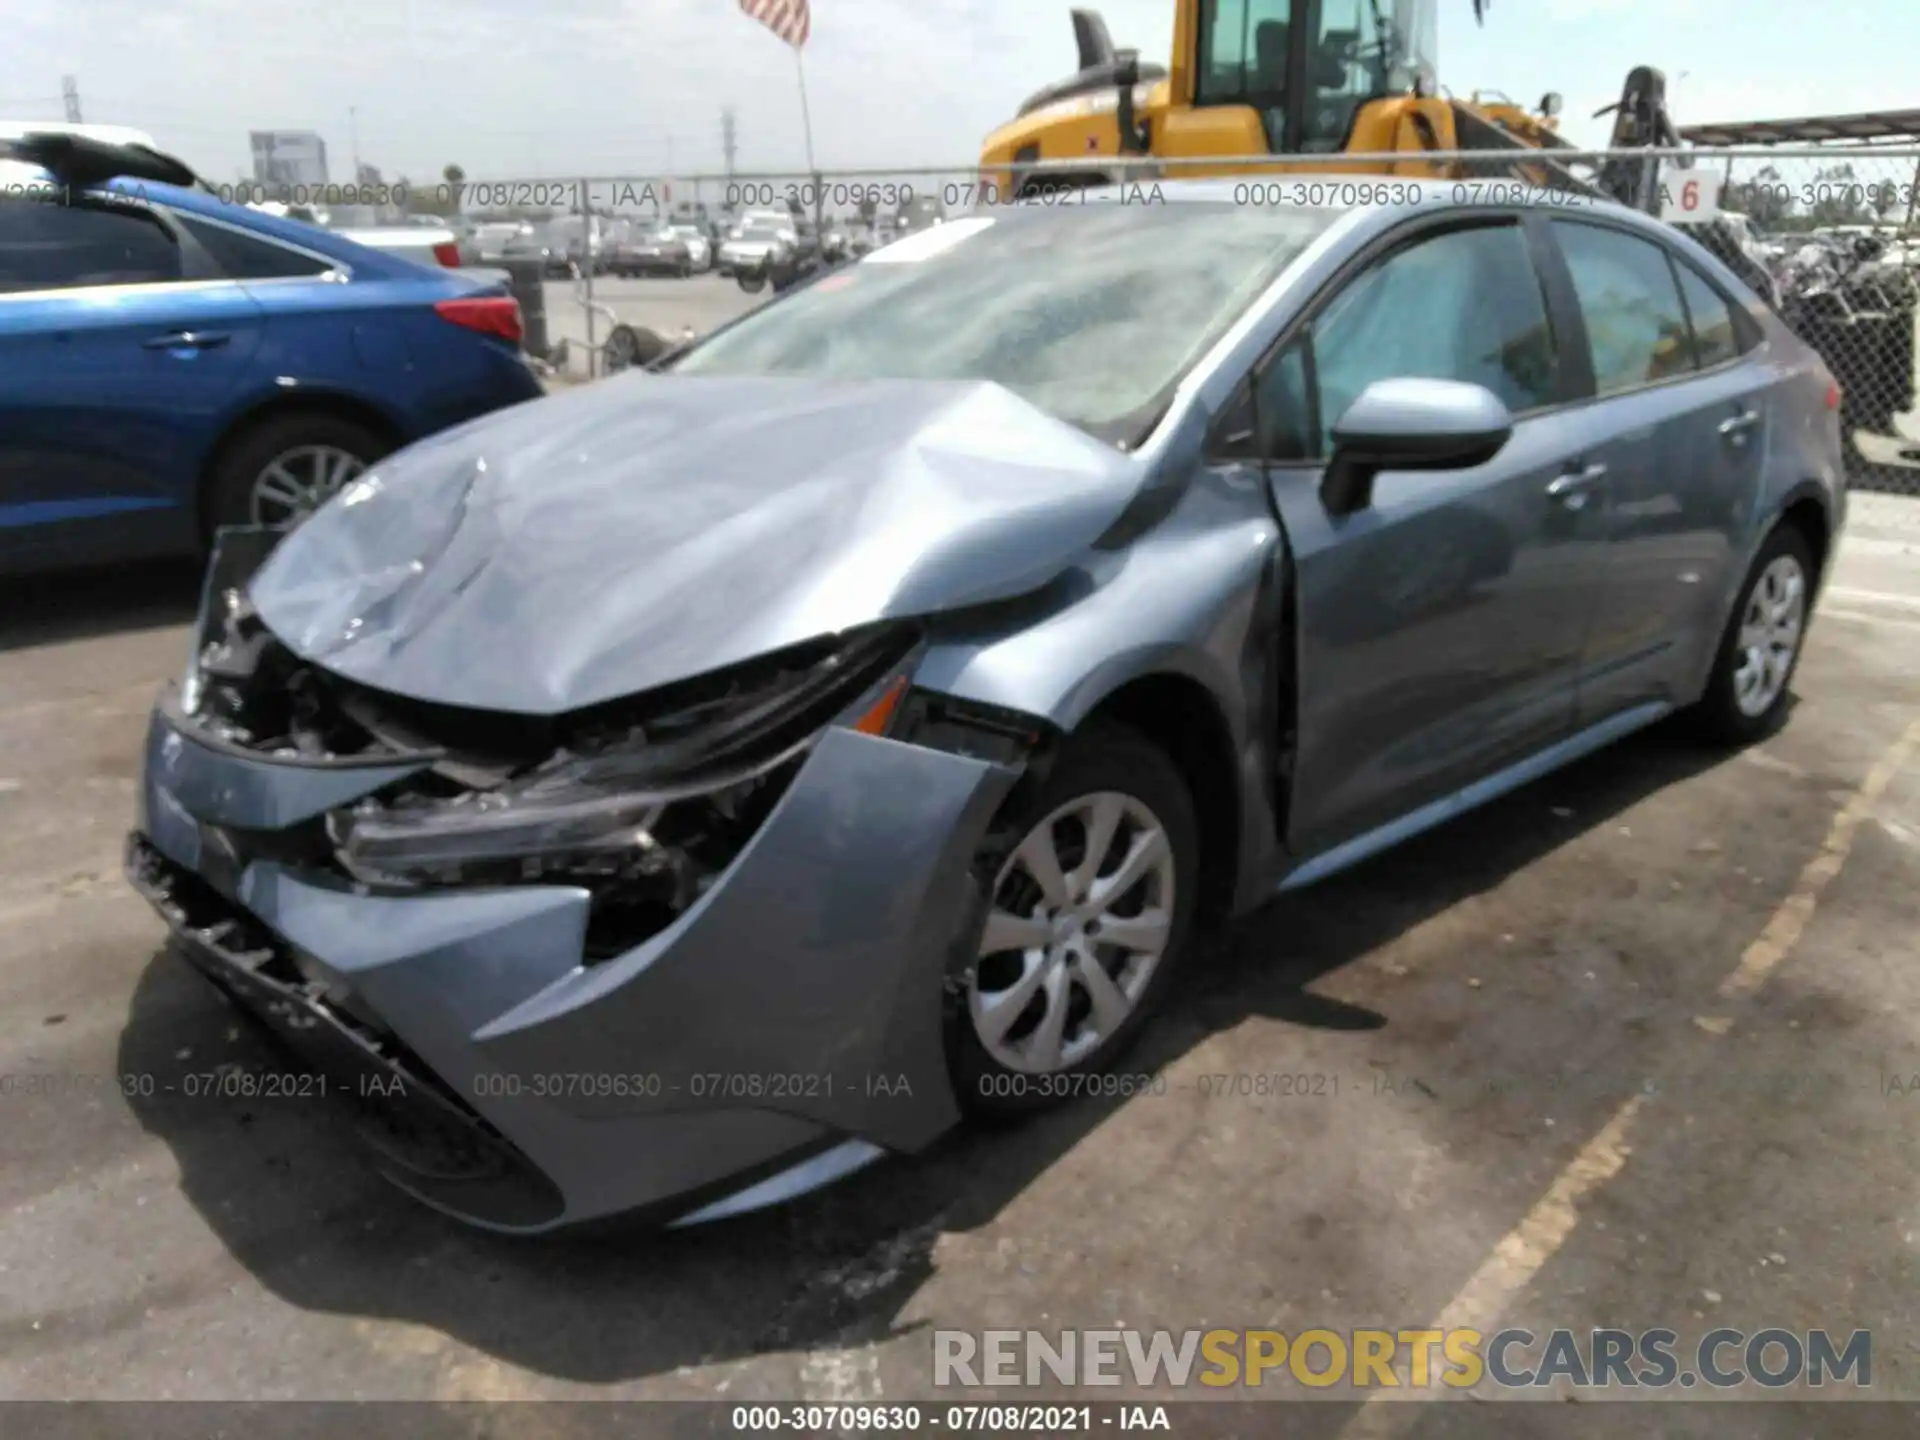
point(1307, 66)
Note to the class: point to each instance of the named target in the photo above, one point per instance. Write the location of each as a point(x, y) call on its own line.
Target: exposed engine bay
point(643, 802)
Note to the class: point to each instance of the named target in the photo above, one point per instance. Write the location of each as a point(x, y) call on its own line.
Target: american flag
point(789, 19)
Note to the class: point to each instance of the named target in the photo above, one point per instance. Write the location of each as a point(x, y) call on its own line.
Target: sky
point(560, 88)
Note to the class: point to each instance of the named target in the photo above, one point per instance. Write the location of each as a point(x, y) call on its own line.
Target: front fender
point(1197, 598)
point(1180, 600)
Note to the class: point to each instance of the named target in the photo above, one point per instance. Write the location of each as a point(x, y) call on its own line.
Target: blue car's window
point(1636, 327)
point(44, 246)
point(1465, 305)
point(249, 257)
point(1090, 311)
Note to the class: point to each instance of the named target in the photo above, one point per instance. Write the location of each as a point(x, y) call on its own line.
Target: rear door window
point(1636, 322)
point(45, 246)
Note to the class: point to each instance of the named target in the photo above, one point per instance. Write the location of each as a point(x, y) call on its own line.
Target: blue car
point(171, 362)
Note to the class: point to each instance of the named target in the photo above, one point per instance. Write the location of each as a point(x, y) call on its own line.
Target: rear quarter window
point(242, 256)
point(1716, 339)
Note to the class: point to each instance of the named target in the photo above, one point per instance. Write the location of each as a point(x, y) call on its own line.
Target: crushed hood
point(648, 528)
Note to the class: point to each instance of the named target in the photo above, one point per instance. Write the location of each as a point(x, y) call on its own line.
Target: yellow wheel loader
point(1299, 78)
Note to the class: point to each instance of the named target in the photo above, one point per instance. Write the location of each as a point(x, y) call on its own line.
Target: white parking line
point(1867, 617)
point(1874, 597)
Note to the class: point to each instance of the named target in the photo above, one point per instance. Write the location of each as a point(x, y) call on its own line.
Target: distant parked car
point(756, 241)
point(417, 243)
point(171, 362)
point(536, 242)
point(493, 241)
point(699, 246)
point(920, 213)
point(652, 252)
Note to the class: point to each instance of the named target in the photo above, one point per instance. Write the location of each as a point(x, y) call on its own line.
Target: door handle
point(189, 340)
point(1570, 489)
point(1739, 425)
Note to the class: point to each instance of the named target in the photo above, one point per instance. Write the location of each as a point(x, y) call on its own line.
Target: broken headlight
point(227, 636)
point(651, 797)
point(577, 815)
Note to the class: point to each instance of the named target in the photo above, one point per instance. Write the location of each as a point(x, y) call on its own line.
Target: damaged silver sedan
point(672, 795)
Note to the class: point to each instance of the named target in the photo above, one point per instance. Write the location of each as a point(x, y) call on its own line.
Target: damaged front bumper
point(783, 1029)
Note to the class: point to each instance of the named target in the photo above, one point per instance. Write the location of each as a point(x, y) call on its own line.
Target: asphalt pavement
point(1613, 1051)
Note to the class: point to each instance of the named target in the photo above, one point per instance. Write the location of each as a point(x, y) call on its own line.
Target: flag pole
point(806, 130)
point(806, 119)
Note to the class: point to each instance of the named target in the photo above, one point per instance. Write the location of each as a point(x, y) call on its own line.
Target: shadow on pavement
point(82, 604)
point(286, 1190)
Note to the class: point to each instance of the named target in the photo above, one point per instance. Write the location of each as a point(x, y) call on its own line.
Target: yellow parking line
point(1525, 1250)
point(1783, 931)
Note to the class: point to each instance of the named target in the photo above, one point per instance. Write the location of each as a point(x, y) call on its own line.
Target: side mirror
point(1411, 425)
point(1551, 104)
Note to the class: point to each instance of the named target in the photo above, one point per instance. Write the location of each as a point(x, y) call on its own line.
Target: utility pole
point(70, 92)
point(727, 145)
point(353, 131)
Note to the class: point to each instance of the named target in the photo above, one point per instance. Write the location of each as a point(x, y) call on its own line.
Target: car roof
point(1370, 203)
point(1334, 190)
point(17, 176)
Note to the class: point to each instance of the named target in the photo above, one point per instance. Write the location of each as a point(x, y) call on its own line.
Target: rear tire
point(1090, 951)
point(244, 480)
point(1747, 693)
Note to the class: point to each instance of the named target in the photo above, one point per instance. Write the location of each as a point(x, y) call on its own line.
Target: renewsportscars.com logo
point(1389, 1359)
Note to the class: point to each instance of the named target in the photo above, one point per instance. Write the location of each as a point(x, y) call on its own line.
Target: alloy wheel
point(1081, 915)
point(297, 482)
point(1770, 629)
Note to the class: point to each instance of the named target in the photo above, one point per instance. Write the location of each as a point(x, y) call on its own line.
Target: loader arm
point(1531, 160)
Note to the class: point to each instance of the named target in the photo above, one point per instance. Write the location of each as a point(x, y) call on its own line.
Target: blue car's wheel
point(1089, 904)
point(283, 469)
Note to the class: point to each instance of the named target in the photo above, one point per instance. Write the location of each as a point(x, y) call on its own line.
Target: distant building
point(288, 159)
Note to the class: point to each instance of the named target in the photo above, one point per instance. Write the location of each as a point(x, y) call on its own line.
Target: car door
point(1438, 629)
point(1679, 418)
point(119, 348)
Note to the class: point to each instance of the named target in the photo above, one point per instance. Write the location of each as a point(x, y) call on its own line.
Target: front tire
point(1747, 693)
point(1089, 899)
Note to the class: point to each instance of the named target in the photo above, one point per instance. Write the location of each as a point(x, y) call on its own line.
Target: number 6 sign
point(1689, 195)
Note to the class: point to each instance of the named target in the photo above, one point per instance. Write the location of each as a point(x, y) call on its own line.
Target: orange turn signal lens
point(880, 714)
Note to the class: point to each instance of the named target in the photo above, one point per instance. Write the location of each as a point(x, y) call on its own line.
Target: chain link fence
point(1828, 236)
